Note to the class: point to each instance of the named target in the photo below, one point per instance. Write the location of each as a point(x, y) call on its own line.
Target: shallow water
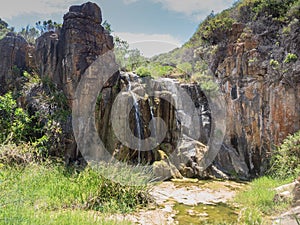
point(220, 213)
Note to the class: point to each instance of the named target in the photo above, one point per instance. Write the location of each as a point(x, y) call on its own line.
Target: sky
point(152, 26)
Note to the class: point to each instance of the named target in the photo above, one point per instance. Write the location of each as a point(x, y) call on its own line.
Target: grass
point(52, 194)
point(257, 201)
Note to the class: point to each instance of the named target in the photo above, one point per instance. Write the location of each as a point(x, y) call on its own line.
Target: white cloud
point(127, 2)
point(195, 9)
point(150, 44)
point(13, 8)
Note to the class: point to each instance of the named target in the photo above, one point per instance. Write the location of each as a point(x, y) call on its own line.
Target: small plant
point(285, 161)
point(250, 216)
point(274, 63)
point(290, 57)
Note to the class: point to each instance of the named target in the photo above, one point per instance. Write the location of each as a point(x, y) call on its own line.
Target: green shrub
point(274, 63)
point(216, 28)
point(290, 57)
point(294, 11)
point(143, 72)
point(285, 161)
point(185, 68)
point(14, 121)
point(42, 128)
point(276, 8)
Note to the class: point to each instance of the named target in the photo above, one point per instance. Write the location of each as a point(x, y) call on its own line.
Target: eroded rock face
point(262, 98)
point(177, 151)
point(13, 53)
point(65, 55)
point(46, 54)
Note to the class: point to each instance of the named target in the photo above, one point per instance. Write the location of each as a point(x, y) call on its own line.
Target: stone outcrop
point(63, 56)
point(14, 59)
point(261, 89)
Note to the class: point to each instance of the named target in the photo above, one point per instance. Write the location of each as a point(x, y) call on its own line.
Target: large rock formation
point(63, 56)
point(261, 87)
point(13, 54)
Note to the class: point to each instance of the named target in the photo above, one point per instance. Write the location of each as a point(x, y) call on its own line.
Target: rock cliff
point(256, 62)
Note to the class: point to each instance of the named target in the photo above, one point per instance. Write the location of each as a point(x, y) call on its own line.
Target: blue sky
point(153, 26)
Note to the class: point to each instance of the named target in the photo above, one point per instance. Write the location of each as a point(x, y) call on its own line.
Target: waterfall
point(137, 118)
point(152, 117)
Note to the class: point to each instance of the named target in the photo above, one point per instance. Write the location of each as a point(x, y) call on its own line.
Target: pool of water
point(220, 213)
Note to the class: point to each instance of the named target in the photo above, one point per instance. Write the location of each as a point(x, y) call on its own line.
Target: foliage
point(277, 9)
point(290, 57)
point(274, 63)
point(294, 11)
point(250, 216)
point(127, 58)
point(285, 161)
point(4, 29)
point(143, 72)
point(186, 68)
point(107, 26)
point(51, 194)
point(206, 82)
point(29, 33)
point(42, 128)
point(158, 70)
point(14, 121)
point(47, 25)
point(216, 27)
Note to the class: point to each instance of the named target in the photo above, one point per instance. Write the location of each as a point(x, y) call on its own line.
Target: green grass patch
point(257, 201)
point(260, 195)
point(52, 194)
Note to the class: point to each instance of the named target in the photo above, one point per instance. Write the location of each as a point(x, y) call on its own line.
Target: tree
point(29, 33)
point(46, 26)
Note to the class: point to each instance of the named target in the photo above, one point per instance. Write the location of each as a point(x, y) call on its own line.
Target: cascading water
point(152, 117)
point(137, 119)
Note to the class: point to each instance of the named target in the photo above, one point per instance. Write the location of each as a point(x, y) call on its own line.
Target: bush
point(41, 122)
point(274, 63)
point(143, 72)
point(216, 28)
point(14, 121)
point(285, 161)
